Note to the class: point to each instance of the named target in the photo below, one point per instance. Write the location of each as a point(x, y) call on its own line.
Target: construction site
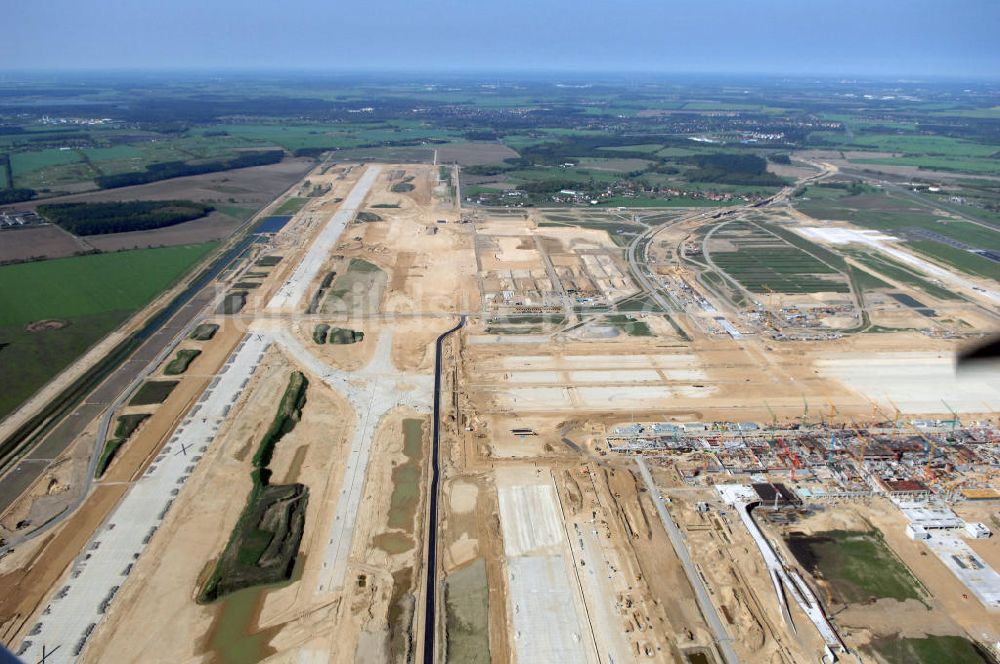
point(414, 431)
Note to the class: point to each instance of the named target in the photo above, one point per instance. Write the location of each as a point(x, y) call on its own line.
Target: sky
point(955, 38)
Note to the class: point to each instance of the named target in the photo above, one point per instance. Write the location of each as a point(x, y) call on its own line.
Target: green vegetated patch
point(510, 329)
point(268, 261)
point(405, 185)
point(25, 164)
point(18, 195)
point(152, 392)
point(780, 269)
point(111, 447)
point(467, 636)
point(319, 296)
point(357, 290)
point(264, 543)
point(898, 272)
point(858, 566)
point(929, 650)
point(181, 361)
point(125, 427)
point(641, 302)
point(630, 326)
point(320, 332)
point(966, 261)
point(897, 216)
point(233, 302)
point(121, 217)
point(340, 336)
point(204, 331)
point(366, 217)
point(174, 169)
point(291, 206)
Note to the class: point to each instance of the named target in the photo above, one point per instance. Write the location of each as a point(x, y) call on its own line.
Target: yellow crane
point(895, 420)
point(865, 440)
point(772, 319)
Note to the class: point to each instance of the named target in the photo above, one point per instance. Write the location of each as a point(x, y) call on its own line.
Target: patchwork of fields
point(764, 262)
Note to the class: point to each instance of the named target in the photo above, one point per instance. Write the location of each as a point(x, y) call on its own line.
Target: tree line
point(175, 169)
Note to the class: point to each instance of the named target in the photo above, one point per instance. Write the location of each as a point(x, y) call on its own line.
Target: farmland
point(86, 297)
point(764, 262)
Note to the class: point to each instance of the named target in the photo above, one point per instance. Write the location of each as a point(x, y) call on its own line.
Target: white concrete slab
point(541, 601)
point(78, 605)
point(292, 292)
point(530, 518)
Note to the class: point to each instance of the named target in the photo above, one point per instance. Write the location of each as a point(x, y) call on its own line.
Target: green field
point(90, 295)
point(291, 206)
point(23, 163)
point(297, 136)
point(857, 566)
point(966, 261)
point(929, 650)
point(65, 288)
point(977, 166)
point(764, 262)
point(898, 272)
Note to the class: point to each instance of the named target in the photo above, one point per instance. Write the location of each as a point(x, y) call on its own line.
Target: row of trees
point(8, 196)
point(175, 169)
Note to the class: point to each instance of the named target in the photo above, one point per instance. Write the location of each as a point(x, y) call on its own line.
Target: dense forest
point(176, 169)
point(101, 218)
point(745, 169)
point(8, 196)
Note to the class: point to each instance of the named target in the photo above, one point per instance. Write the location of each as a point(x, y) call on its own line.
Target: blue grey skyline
point(847, 37)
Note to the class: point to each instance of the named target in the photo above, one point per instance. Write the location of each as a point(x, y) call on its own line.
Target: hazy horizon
point(853, 38)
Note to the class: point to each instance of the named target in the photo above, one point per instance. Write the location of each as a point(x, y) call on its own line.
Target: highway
point(680, 547)
point(430, 594)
